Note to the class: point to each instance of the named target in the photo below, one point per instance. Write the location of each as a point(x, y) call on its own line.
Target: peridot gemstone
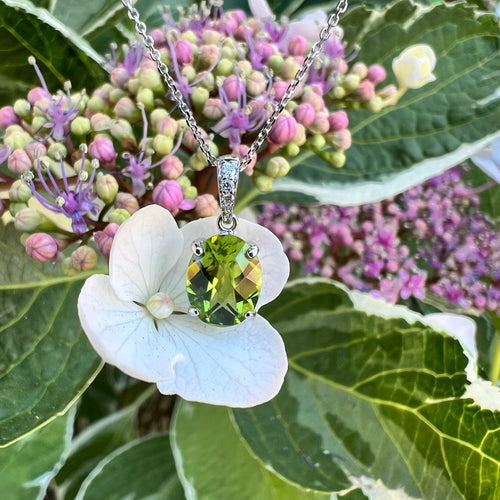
point(224, 282)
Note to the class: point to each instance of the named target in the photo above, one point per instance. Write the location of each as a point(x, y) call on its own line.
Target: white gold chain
point(155, 55)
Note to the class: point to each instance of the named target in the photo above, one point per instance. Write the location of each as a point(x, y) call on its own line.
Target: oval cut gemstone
point(223, 283)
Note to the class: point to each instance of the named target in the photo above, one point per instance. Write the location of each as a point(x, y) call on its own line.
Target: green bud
point(80, 126)
point(228, 51)
point(13, 129)
point(337, 92)
point(199, 97)
point(146, 97)
point(375, 104)
point(277, 167)
point(22, 108)
point(17, 140)
point(190, 36)
point(19, 192)
point(38, 122)
point(360, 69)
point(292, 149)
point(151, 79)
point(351, 82)
point(210, 37)
point(116, 94)
point(274, 62)
point(57, 151)
point(198, 161)
point(118, 216)
point(96, 104)
point(163, 144)
point(67, 267)
point(208, 82)
point(30, 220)
point(121, 130)
point(289, 68)
point(133, 85)
point(189, 73)
point(316, 141)
point(190, 192)
point(86, 167)
point(184, 181)
point(126, 108)
point(84, 258)
point(107, 188)
point(16, 207)
point(244, 68)
point(263, 183)
point(156, 115)
point(335, 158)
point(224, 68)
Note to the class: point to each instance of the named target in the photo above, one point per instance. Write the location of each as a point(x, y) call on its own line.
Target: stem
point(495, 362)
point(484, 187)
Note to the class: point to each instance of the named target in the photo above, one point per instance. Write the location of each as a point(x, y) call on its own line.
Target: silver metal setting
point(197, 249)
point(148, 41)
point(252, 252)
point(192, 311)
point(250, 315)
point(228, 172)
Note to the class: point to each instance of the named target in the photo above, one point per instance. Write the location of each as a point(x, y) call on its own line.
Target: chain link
point(155, 55)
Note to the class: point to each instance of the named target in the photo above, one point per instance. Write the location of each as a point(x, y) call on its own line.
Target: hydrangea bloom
point(136, 318)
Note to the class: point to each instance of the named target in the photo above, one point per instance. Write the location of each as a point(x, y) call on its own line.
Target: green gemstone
point(224, 282)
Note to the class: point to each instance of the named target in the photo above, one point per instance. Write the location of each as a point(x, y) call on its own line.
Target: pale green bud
point(163, 144)
point(107, 188)
point(292, 149)
point(199, 97)
point(190, 36)
point(244, 68)
point(184, 182)
point(337, 92)
point(146, 97)
point(100, 122)
point(126, 108)
point(274, 62)
point(277, 167)
point(189, 73)
point(256, 83)
point(156, 115)
point(263, 183)
point(335, 158)
point(151, 79)
point(81, 126)
point(351, 82)
point(300, 136)
point(375, 104)
point(360, 69)
point(16, 207)
point(38, 122)
point(67, 267)
point(57, 151)
point(190, 193)
point(17, 140)
point(316, 141)
point(13, 129)
point(118, 216)
point(19, 192)
point(211, 37)
point(289, 68)
point(133, 85)
point(27, 219)
point(96, 104)
point(22, 108)
point(84, 258)
point(198, 161)
point(116, 94)
point(121, 130)
point(208, 82)
point(224, 68)
point(228, 51)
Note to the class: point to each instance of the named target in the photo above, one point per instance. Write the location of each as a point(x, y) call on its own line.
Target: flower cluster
point(429, 239)
point(78, 165)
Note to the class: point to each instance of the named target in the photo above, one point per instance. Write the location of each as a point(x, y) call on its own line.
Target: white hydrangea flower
point(488, 160)
point(136, 318)
point(413, 67)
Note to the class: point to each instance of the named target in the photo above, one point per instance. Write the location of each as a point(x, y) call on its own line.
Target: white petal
point(260, 9)
point(145, 250)
point(273, 261)
point(495, 151)
point(485, 161)
point(123, 334)
point(238, 366)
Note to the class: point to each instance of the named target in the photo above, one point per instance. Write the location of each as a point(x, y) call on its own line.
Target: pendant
point(224, 275)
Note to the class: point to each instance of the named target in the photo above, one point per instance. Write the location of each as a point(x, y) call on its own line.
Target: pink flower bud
point(376, 73)
point(314, 99)
point(297, 46)
point(320, 125)
point(100, 122)
point(171, 167)
point(36, 94)
point(206, 205)
point(126, 108)
point(237, 15)
point(284, 130)
point(233, 87)
point(209, 54)
point(104, 238)
point(183, 51)
point(265, 49)
point(35, 149)
point(127, 201)
point(19, 162)
point(8, 117)
point(213, 109)
point(102, 149)
point(304, 114)
point(158, 36)
point(42, 247)
point(366, 90)
point(167, 126)
point(190, 142)
point(84, 258)
point(168, 194)
point(338, 120)
point(342, 139)
point(279, 88)
point(119, 76)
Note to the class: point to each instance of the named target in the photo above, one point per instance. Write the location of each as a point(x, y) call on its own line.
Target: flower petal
point(145, 250)
point(260, 9)
point(274, 262)
point(485, 160)
point(238, 366)
point(123, 334)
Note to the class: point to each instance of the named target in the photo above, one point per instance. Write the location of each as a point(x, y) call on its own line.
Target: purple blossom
point(73, 201)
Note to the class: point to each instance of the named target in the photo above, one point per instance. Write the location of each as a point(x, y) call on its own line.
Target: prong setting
point(197, 249)
point(252, 252)
point(192, 311)
point(250, 315)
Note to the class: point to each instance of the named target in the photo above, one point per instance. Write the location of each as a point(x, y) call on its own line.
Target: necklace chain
point(155, 55)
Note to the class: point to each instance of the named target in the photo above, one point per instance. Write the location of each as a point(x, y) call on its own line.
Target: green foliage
point(372, 397)
point(27, 466)
point(142, 469)
point(62, 53)
point(47, 361)
point(428, 130)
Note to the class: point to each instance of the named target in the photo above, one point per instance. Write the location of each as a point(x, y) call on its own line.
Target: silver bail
point(228, 172)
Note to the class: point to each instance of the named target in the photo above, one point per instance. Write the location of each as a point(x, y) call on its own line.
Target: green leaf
point(93, 444)
point(46, 361)
point(214, 463)
point(143, 469)
point(489, 199)
point(61, 53)
point(27, 467)
point(429, 129)
point(373, 397)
